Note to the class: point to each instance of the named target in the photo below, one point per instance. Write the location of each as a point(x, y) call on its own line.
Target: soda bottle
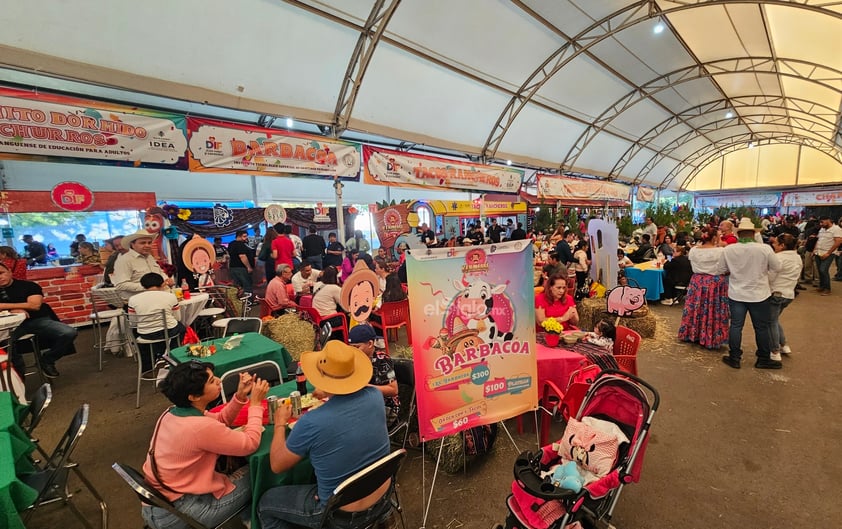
point(300, 380)
point(185, 289)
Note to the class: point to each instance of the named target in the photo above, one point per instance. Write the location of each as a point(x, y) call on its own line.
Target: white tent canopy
point(685, 94)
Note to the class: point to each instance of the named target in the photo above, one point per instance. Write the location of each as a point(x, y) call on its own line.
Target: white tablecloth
point(9, 323)
point(187, 313)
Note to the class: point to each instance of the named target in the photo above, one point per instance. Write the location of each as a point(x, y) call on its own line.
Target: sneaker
point(786, 350)
point(799, 287)
point(49, 370)
point(667, 301)
point(820, 291)
point(731, 362)
point(825, 293)
point(776, 356)
point(763, 363)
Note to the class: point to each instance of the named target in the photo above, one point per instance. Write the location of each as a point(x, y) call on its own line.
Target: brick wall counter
point(67, 290)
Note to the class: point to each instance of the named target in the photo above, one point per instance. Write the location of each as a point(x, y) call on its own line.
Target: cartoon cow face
point(478, 301)
point(475, 301)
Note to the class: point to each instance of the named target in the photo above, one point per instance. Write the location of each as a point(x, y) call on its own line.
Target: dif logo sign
point(72, 196)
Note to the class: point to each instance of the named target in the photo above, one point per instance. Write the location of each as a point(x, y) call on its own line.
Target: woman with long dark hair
point(266, 253)
point(706, 315)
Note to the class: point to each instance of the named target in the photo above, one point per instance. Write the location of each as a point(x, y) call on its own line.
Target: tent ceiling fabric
point(645, 92)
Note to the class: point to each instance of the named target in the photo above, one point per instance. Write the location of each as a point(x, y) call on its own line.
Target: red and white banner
point(51, 125)
point(216, 146)
point(822, 197)
point(582, 191)
point(645, 194)
point(737, 200)
point(394, 168)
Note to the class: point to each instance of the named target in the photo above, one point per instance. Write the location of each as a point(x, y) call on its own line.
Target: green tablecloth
point(15, 448)
point(254, 348)
point(262, 477)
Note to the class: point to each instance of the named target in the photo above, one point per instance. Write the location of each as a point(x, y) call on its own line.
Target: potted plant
point(553, 330)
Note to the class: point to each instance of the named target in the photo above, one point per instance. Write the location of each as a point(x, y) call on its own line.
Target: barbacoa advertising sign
point(50, 125)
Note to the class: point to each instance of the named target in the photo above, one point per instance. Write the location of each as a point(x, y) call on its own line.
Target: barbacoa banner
point(473, 335)
point(582, 191)
point(217, 146)
point(51, 125)
point(393, 168)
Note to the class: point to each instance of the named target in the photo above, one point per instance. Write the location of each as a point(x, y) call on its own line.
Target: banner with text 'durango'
point(473, 335)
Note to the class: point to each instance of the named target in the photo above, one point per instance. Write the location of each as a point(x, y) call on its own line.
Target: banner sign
point(582, 191)
point(217, 146)
point(400, 169)
point(50, 125)
point(721, 201)
point(645, 194)
point(822, 197)
point(473, 326)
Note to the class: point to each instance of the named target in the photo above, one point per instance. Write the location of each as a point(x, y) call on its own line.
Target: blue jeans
point(241, 277)
point(824, 271)
point(55, 335)
point(204, 508)
point(777, 305)
point(315, 261)
point(838, 275)
point(292, 506)
point(760, 320)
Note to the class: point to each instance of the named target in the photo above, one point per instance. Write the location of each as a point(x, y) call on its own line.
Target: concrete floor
point(748, 448)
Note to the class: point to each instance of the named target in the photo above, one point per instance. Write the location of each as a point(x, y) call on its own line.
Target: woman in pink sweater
point(188, 440)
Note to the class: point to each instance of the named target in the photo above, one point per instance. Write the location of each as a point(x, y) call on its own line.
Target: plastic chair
point(101, 316)
point(51, 482)
point(405, 377)
point(319, 320)
point(138, 345)
point(242, 326)
point(149, 495)
point(267, 370)
point(393, 315)
point(306, 300)
point(35, 412)
point(365, 482)
point(626, 342)
point(627, 363)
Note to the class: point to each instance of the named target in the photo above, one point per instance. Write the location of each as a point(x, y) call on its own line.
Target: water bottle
point(300, 380)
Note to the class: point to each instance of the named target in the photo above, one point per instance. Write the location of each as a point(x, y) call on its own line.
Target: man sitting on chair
point(147, 307)
point(342, 436)
point(26, 297)
point(362, 337)
point(277, 292)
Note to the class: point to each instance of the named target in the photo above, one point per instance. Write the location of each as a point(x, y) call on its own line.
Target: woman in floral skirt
point(706, 316)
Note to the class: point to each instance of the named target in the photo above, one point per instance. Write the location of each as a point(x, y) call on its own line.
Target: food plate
point(243, 428)
point(5, 313)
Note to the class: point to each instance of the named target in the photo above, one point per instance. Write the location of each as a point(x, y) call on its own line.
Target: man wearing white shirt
point(304, 279)
point(135, 263)
point(749, 264)
point(146, 307)
point(830, 238)
point(651, 229)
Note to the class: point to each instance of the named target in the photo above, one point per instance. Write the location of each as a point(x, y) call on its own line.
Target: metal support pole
point(340, 214)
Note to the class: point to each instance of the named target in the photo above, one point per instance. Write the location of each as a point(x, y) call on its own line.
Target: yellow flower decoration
point(552, 325)
point(184, 214)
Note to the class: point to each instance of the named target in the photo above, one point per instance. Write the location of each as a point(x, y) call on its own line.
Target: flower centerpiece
point(553, 329)
point(201, 351)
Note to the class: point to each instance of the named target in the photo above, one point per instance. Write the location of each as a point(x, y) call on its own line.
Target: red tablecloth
point(556, 364)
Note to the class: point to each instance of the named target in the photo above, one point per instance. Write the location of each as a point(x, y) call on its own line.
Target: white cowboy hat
point(746, 225)
point(338, 369)
point(132, 237)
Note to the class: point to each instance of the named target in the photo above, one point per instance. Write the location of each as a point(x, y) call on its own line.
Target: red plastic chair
point(265, 309)
point(318, 319)
point(393, 315)
point(306, 300)
point(627, 363)
point(626, 342)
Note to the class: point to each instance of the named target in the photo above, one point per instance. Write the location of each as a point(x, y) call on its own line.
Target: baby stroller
point(617, 402)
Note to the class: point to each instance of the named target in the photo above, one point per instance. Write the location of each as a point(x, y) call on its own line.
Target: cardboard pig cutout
point(622, 301)
point(360, 292)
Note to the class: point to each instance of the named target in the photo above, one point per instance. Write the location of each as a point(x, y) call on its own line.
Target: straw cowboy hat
point(746, 225)
point(139, 234)
point(194, 244)
point(338, 369)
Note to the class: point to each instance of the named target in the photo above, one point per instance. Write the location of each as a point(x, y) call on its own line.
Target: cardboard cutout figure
point(199, 257)
point(360, 292)
point(625, 300)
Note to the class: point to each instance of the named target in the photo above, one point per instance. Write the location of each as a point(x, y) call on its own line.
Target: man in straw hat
point(135, 263)
point(749, 264)
point(341, 437)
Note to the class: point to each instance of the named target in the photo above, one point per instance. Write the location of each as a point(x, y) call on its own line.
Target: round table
point(189, 309)
point(9, 322)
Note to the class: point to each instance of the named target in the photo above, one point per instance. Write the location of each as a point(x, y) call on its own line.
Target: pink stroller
point(615, 398)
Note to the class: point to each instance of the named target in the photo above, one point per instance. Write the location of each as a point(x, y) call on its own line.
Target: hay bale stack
point(296, 334)
point(593, 310)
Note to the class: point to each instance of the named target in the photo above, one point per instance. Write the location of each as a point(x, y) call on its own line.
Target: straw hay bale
point(296, 334)
point(593, 310)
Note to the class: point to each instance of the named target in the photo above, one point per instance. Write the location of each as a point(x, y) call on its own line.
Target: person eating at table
point(188, 440)
point(363, 337)
point(554, 302)
point(26, 297)
point(345, 434)
point(147, 306)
